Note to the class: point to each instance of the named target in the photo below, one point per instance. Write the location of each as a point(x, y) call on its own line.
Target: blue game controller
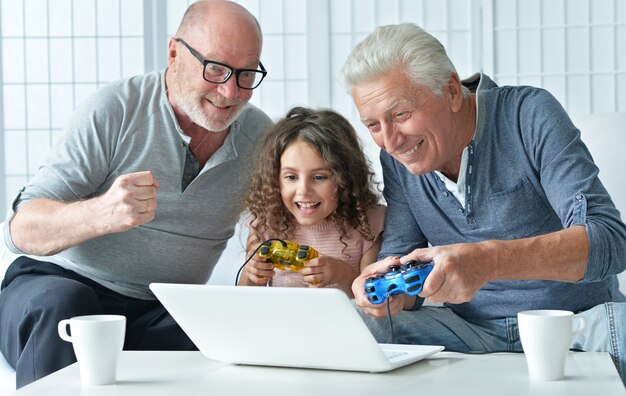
point(408, 278)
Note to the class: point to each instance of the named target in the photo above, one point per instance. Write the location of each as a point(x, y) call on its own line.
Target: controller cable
point(285, 245)
point(254, 252)
point(393, 341)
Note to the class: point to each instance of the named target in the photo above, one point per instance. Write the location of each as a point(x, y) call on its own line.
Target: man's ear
point(455, 92)
point(172, 52)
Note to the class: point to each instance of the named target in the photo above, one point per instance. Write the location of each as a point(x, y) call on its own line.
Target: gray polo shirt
point(129, 126)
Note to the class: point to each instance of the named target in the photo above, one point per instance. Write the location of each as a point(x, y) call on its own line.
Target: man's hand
point(129, 202)
point(396, 302)
point(44, 226)
point(460, 271)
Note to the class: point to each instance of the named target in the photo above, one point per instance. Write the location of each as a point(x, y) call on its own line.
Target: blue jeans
point(605, 331)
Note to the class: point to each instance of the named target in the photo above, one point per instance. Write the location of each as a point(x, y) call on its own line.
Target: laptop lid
point(275, 326)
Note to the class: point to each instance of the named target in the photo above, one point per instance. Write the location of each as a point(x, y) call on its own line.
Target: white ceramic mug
point(546, 336)
point(98, 341)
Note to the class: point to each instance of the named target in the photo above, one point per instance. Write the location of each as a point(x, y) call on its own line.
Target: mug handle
point(62, 329)
point(579, 324)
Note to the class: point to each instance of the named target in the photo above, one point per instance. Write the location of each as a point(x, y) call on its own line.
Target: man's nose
point(392, 139)
point(229, 89)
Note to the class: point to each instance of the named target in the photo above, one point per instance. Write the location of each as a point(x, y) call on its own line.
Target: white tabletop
point(189, 373)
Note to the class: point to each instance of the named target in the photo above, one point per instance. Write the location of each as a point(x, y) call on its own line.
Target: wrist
point(412, 303)
point(91, 211)
point(493, 252)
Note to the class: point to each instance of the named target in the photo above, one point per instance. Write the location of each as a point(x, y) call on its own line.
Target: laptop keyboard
point(394, 354)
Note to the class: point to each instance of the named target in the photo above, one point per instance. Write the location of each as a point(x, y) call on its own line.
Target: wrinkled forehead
point(385, 94)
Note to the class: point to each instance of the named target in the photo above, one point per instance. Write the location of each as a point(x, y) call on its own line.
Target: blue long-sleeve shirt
point(528, 173)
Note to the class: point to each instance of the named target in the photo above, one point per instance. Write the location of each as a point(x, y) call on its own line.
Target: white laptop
point(279, 326)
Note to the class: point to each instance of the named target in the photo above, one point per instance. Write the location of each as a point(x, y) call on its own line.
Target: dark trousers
point(36, 295)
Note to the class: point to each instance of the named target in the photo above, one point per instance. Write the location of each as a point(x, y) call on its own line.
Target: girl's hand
point(257, 272)
point(324, 271)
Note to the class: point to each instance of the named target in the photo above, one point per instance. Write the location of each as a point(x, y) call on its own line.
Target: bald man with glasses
point(144, 187)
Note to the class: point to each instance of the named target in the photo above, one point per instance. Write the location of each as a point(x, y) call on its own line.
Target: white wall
point(232, 259)
point(54, 53)
point(605, 136)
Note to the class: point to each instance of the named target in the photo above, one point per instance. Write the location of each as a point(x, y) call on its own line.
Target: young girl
point(313, 185)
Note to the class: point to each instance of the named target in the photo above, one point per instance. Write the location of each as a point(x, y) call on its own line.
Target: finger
point(380, 266)
point(146, 205)
point(358, 290)
point(433, 283)
point(306, 270)
point(360, 296)
point(260, 269)
point(142, 185)
point(142, 206)
point(396, 303)
point(314, 279)
point(261, 263)
point(317, 285)
point(443, 294)
point(144, 178)
point(144, 192)
point(258, 276)
point(257, 279)
point(313, 264)
point(265, 274)
point(422, 255)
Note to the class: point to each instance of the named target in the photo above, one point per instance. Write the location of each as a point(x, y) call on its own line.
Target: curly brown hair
point(338, 144)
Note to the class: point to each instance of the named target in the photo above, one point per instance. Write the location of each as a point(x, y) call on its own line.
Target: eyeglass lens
point(217, 73)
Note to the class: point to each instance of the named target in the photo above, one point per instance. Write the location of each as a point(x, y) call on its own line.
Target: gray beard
point(196, 114)
point(190, 106)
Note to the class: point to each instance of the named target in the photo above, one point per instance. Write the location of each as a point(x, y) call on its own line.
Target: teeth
point(307, 205)
point(410, 152)
point(220, 104)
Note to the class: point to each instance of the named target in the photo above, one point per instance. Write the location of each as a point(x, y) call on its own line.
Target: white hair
point(404, 46)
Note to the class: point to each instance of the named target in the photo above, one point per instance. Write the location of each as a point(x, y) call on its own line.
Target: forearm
point(44, 227)
point(559, 256)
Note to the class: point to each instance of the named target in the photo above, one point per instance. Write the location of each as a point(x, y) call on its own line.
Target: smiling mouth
point(218, 105)
point(411, 151)
point(305, 207)
point(221, 102)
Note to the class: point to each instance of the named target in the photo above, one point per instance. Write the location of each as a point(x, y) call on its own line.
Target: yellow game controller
point(287, 254)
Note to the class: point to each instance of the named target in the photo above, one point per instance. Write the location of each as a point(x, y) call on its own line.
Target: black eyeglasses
point(218, 73)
